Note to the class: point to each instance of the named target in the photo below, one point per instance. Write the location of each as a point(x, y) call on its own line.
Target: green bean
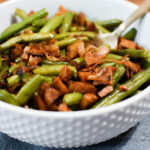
point(0, 62)
point(10, 43)
point(39, 23)
point(134, 93)
point(80, 60)
point(101, 28)
point(53, 70)
point(28, 90)
point(133, 85)
point(83, 33)
point(130, 35)
point(36, 37)
point(106, 64)
point(4, 68)
point(12, 68)
point(20, 25)
point(33, 29)
point(63, 52)
point(7, 97)
point(77, 28)
point(52, 24)
point(13, 80)
point(145, 64)
point(25, 78)
point(117, 76)
point(21, 13)
point(134, 53)
point(113, 56)
point(69, 41)
point(48, 79)
point(72, 98)
point(67, 22)
point(25, 38)
point(109, 24)
point(48, 62)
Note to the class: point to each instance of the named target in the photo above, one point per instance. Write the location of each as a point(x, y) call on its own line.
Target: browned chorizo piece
point(33, 61)
point(123, 88)
point(63, 107)
point(105, 91)
point(40, 103)
point(60, 86)
point(65, 74)
point(103, 77)
point(51, 95)
point(83, 76)
point(87, 100)
point(82, 87)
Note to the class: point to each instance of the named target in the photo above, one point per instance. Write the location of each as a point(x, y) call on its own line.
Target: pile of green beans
point(40, 56)
point(133, 84)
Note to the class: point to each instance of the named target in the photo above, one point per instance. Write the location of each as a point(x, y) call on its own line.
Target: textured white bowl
point(81, 128)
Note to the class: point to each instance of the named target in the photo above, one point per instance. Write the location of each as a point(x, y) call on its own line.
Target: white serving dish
point(81, 128)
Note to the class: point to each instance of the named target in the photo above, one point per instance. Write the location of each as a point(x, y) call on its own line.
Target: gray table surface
point(137, 138)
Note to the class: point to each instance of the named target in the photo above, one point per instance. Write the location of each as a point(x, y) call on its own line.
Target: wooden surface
point(137, 1)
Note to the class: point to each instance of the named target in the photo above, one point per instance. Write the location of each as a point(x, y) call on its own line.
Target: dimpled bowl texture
point(81, 128)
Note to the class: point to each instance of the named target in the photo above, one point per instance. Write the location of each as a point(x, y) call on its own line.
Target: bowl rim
point(81, 113)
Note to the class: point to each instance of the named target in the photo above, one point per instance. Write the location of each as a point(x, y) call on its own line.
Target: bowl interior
point(94, 9)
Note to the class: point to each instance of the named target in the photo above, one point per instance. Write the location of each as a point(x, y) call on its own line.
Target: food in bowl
point(56, 64)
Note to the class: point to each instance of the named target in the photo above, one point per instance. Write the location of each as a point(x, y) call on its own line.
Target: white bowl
point(81, 128)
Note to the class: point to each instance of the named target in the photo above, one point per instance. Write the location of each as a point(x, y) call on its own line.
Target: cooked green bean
point(20, 25)
point(52, 24)
point(133, 85)
point(109, 24)
point(77, 28)
point(47, 79)
point(25, 78)
point(83, 33)
point(31, 28)
point(117, 76)
point(69, 41)
point(48, 62)
point(113, 56)
point(134, 93)
point(53, 70)
point(28, 90)
point(39, 22)
point(130, 35)
point(12, 68)
point(101, 28)
point(134, 53)
point(67, 22)
point(21, 13)
point(0, 62)
point(79, 60)
point(25, 38)
point(106, 64)
point(7, 97)
point(72, 98)
point(63, 52)
point(13, 80)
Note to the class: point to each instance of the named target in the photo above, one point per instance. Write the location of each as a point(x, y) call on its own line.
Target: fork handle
point(138, 13)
